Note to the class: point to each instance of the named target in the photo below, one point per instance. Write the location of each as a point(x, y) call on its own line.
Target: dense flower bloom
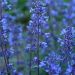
point(48, 39)
point(50, 63)
point(37, 28)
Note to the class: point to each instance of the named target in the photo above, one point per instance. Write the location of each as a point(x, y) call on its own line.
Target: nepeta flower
point(68, 39)
point(37, 28)
point(50, 63)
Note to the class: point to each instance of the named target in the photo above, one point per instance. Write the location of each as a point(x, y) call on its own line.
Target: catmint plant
point(50, 63)
point(68, 43)
point(36, 29)
point(4, 40)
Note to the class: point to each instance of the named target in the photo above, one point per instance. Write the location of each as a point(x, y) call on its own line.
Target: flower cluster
point(46, 44)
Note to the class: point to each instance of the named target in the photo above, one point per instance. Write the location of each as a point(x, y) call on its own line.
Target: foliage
point(37, 37)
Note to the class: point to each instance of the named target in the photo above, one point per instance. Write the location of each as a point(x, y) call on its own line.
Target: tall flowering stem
point(4, 41)
point(37, 28)
point(68, 39)
point(68, 34)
